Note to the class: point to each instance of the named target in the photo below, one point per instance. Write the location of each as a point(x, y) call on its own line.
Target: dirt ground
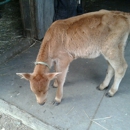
point(10, 26)
point(9, 123)
point(10, 35)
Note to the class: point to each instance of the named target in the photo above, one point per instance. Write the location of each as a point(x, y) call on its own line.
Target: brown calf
point(86, 36)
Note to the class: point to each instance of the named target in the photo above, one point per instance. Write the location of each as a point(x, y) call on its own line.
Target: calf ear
point(26, 76)
point(51, 76)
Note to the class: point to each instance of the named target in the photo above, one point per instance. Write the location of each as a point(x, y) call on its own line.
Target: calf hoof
point(108, 94)
point(54, 86)
point(55, 103)
point(98, 88)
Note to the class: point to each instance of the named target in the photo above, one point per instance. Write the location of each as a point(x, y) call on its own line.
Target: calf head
point(39, 84)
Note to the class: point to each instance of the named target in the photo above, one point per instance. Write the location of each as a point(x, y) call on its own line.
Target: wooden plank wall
point(25, 15)
point(37, 16)
point(44, 15)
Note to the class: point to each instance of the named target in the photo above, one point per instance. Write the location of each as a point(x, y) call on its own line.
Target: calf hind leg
point(120, 69)
point(109, 75)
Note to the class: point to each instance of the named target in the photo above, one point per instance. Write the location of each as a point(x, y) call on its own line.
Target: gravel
point(9, 123)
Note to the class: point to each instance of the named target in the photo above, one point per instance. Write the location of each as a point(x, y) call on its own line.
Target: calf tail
point(129, 21)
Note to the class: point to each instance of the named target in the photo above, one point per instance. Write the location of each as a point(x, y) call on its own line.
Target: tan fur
point(86, 36)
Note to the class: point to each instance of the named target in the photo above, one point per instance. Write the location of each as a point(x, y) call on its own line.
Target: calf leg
point(109, 75)
point(120, 70)
point(119, 65)
point(55, 84)
point(61, 66)
point(60, 82)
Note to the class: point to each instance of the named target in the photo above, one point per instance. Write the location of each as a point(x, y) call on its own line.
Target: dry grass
point(10, 26)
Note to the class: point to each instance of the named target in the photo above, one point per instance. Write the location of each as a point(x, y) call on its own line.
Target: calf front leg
point(61, 66)
point(60, 82)
point(55, 84)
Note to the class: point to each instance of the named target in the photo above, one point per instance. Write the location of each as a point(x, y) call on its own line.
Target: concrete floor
point(83, 107)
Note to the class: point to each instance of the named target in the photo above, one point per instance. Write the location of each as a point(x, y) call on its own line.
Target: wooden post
point(37, 16)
